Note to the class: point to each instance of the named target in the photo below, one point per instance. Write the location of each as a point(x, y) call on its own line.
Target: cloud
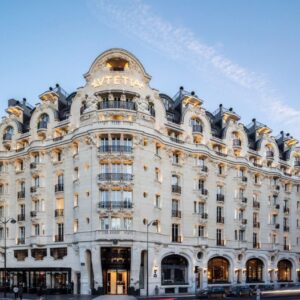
point(137, 19)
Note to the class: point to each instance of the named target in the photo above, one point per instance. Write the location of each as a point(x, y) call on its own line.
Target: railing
point(197, 128)
point(115, 177)
point(203, 215)
point(33, 213)
point(58, 238)
point(42, 125)
point(176, 213)
point(256, 245)
point(244, 199)
point(256, 225)
point(221, 153)
point(176, 189)
point(115, 204)
point(277, 226)
point(115, 149)
point(286, 210)
point(58, 138)
point(33, 189)
point(236, 143)
point(220, 220)
point(33, 165)
point(59, 213)
point(203, 192)
point(204, 169)
point(7, 137)
point(59, 187)
point(116, 104)
point(220, 197)
point(176, 239)
point(243, 221)
point(21, 217)
point(286, 247)
point(220, 242)
point(21, 194)
point(176, 140)
point(286, 228)
point(21, 241)
point(277, 206)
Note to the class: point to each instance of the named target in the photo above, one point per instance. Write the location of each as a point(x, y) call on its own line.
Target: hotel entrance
point(116, 270)
point(117, 282)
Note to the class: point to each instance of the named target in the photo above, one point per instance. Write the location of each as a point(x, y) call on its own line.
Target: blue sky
point(240, 53)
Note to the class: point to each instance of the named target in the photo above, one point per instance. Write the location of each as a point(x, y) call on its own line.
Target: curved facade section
point(86, 175)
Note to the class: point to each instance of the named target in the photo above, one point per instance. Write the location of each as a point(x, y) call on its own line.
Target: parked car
point(240, 290)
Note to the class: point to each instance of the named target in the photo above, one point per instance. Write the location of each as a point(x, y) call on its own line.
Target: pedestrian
point(16, 291)
point(21, 291)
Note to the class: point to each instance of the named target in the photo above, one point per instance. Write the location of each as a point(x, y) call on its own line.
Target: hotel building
point(86, 174)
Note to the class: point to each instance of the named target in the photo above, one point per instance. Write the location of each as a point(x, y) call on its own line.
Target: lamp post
point(154, 223)
point(4, 221)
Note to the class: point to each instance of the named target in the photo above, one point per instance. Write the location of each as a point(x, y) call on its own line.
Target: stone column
point(97, 267)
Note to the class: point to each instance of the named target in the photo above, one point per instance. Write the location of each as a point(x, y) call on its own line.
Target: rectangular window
point(76, 198)
point(104, 223)
point(37, 229)
point(115, 223)
point(201, 231)
point(75, 225)
point(175, 233)
point(127, 223)
point(157, 201)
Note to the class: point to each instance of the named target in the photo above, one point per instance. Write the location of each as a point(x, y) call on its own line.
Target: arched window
point(174, 270)
point(236, 140)
point(284, 270)
point(43, 121)
point(218, 270)
point(255, 268)
point(8, 133)
point(269, 152)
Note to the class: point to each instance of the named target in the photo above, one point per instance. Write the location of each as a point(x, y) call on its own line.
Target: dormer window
point(117, 64)
point(43, 121)
point(9, 131)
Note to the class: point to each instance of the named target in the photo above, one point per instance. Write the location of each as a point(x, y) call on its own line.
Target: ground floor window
point(34, 278)
point(218, 270)
point(174, 270)
point(284, 270)
point(255, 268)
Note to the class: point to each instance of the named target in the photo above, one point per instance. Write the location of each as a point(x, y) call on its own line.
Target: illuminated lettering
point(106, 80)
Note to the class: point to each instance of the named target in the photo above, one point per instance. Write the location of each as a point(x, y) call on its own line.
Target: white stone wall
point(146, 131)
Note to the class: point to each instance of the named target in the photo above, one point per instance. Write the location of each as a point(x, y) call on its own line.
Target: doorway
point(117, 282)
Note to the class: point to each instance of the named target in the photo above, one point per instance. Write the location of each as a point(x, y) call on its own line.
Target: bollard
point(258, 294)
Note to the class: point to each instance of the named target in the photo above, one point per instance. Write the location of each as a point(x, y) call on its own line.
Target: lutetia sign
point(117, 80)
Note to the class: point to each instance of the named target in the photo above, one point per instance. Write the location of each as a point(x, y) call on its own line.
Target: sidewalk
point(113, 297)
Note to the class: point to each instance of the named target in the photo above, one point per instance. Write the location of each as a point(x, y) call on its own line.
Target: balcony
point(59, 238)
point(243, 221)
point(236, 143)
point(21, 241)
point(221, 153)
point(115, 149)
point(111, 104)
point(59, 213)
point(115, 177)
point(286, 210)
point(21, 217)
point(176, 213)
point(256, 164)
point(33, 189)
point(176, 239)
point(176, 189)
point(109, 205)
point(220, 242)
point(203, 192)
point(197, 128)
point(243, 200)
point(256, 224)
point(33, 214)
point(286, 247)
point(21, 195)
point(220, 220)
point(286, 228)
point(176, 140)
point(204, 169)
point(277, 226)
point(277, 206)
point(204, 216)
point(220, 197)
point(59, 187)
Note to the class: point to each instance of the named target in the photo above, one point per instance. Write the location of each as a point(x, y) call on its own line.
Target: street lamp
point(4, 221)
point(154, 223)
